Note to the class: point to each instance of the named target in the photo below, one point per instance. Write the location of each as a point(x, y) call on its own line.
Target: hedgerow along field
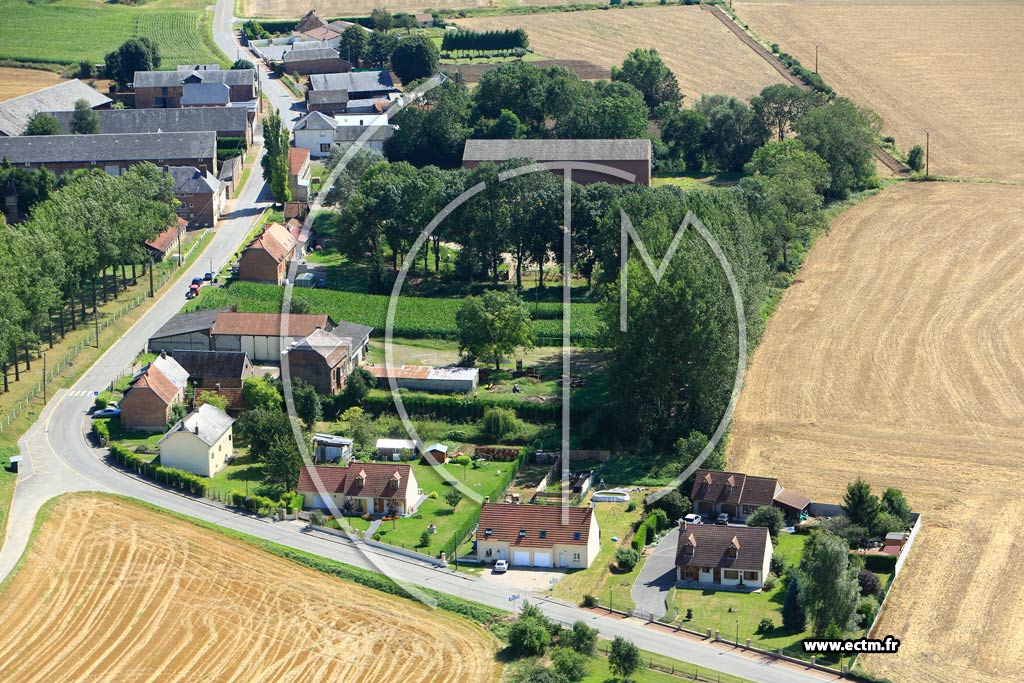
point(703, 54)
point(69, 31)
point(415, 317)
point(954, 68)
point(143, 596)
point(287, 9)
point(897, 358)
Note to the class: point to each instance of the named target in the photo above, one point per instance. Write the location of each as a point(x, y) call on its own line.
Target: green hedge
point(461, 409)
point(177, 479)
point(885, 564)
point(101, 431)
point(640, 539)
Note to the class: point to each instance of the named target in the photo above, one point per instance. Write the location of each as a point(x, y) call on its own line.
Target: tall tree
point(831, 591)
point(43, 124)
point(275, 159)
point(379, 47)
point(645, 71)
point(353, 43)
point(860, 504)
point(84, 121)
point(415, 57)
point(845, 136)
point(794, 616)
point(683, 132)
point(779, 106)
point(732, 132)
point(136, 54)
point(623, 657)
point(493, 325)
point(307, 402)
point(382, 19)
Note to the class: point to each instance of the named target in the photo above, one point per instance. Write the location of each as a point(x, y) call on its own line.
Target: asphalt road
point(657, 576)
point(58, 459)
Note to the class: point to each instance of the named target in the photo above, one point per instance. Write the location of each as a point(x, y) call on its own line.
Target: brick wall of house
point(256, 265)
point(312, 368)
point(200, 210)
point(319, 66)
point(143, 410)
point(60, 168)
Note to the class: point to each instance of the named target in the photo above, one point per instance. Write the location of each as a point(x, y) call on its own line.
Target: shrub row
point(253, 504)
point(640, 538)
point(461, 409)
point(467, 39)
point(878, 563)
point(804, 74)
point(177, 479)
point(101, 432)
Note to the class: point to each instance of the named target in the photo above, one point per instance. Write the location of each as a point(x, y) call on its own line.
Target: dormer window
point(731, 481)
point(488, 532)
point(734, 548)
point(543, 534)
point(522, 533)
point(576, 536)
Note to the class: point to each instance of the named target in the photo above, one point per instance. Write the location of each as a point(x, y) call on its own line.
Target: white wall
point(312, 139)
point(186, 451)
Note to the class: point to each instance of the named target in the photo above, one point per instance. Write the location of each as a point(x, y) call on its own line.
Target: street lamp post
point(737, 633)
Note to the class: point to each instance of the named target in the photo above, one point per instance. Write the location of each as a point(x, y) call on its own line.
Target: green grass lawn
point(244, 473)
point(67, 31)
point(697, 181)
point(405, 532)
point(598, 579)
point(711, 609)
point(598, 671)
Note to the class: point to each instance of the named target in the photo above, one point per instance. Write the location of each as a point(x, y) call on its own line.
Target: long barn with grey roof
point(165, 89)
point(224, 121)
point(112, 153)
point(626, 161)
point(16, 112)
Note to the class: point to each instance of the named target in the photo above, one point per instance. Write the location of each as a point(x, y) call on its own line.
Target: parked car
point(109, 411)
point(208, 277)
point(693, 519)
point(197, 281)
point(722, 518)
point(501, 566)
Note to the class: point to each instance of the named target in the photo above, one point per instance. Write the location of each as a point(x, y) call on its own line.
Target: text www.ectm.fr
point(886, 645)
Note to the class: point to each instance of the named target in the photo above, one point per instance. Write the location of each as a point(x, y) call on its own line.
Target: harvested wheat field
point(896, 356)
point(15, 82)
point(704, 55)
point(285, 9)
point(112, 592)
point(955, 68)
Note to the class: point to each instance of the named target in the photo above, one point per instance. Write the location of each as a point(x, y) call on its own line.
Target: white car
point(693, 519)
point(501, 566)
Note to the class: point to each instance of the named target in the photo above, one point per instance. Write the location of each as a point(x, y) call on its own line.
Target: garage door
point(541, 559)
point(521, 557)
point(319, 502)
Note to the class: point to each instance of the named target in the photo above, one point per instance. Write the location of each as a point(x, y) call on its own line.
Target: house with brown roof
point(709, 554)
point(322, 360)
point(266, 258)
point(263, 336)
point(146, 405)
point(425, 20)
point(375, 488)
point(299, 173)
point(309, 21)
point(535, 535)
point(738, 495)
point(168, 240)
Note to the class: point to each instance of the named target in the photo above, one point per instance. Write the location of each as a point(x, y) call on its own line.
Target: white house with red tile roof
point(374, 488)
point(535, 535)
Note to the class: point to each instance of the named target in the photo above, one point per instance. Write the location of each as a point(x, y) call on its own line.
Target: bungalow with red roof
point(536, 535)
point(723, 555)
point(266, 258)
point(738, 495)
point(375, 488)
point(146, 405)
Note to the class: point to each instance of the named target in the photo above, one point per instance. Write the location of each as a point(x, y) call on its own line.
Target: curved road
point(57, 460)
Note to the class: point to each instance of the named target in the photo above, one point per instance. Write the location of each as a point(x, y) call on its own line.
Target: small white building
point(394, 449)
point(331, 448)
point(318, 132)
point(315, 132)
point(199, 443)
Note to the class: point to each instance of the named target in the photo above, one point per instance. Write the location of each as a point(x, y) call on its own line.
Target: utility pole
point(150, 277)
point(44, 378)
point(816, 46)
point(96, 319)
point(927, 149)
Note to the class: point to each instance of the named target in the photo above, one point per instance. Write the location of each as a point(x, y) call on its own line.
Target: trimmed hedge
point(177, 479)
point(885, 564)
point(101, 432)
point(640, 538)
point(462, 409)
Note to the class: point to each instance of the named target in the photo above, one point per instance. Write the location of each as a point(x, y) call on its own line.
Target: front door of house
point(690, 574)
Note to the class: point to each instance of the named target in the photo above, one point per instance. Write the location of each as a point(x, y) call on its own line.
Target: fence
point(54, 370)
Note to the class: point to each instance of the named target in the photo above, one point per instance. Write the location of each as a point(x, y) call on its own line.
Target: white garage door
point(521, 557)
point(541, 559)
point(319, 502)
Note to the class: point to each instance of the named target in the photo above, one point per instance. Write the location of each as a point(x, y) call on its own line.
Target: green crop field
point(69, 31)
point(415, 317)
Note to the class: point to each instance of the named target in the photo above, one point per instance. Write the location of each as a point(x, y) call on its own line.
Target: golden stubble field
point(703, 54)
point(15, 82)
point(115, 593)
point(896, 355)
point(287, 9)
point(955, 68)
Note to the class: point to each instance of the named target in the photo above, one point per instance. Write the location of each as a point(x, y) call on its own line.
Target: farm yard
point(919, 66)
point(69, 31)
point(895, 356)
point(137, 590)
point(704, 55)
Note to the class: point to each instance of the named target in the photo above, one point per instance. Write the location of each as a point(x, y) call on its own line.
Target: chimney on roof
point(731, 481)
point(163, 354)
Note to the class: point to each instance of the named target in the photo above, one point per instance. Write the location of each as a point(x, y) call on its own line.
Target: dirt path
point(112, 592)
point(895, 356)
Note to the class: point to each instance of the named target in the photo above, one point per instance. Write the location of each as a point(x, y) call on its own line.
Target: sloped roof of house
point(313, 54)
point(316, 121)
point(327, 96)
point(16, 112)
point(354, 81)
point(118, 121)
point(213, 364)
point(710, 545)
point(153, 147)
point(297, 158)
point(205, 94)
point(186, 323)
point(424, 17)
point(190, 180)
point(164, 240)
point(322, 33)
point(356, 333)
point(163, 376)
point(276, 241)
point(167, 79)
point(558, 150)
point(268, 324)
point(340, 26)
point(360, 479)
point(327, 345)
point(734, 487)
point(542, 524)
point(792, 499)
point(331, 439)
point(171, 369)
point(207, 422)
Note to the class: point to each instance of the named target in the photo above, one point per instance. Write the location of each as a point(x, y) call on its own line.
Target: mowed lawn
point(69, 31)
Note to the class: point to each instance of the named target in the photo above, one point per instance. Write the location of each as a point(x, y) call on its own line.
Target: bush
point(101, 432)
point(689, 614)
point(766, 625)
point(885, 564)
point(101, 401)
point(581, 638)
point(769, 517)
point(424, 539)
point(869, 582)
point(626, 559)
point(770, 582)
point(528, 637)
point(867, 608)
point(630, 506)
point(589, 600)
point(640, 538)
point(778, 564)
point(660, 519)
point(673, 504)
point(499, 422)
point(569, 663)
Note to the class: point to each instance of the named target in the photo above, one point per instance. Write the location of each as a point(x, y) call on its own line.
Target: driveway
point(523, 578)
point(657, 576)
